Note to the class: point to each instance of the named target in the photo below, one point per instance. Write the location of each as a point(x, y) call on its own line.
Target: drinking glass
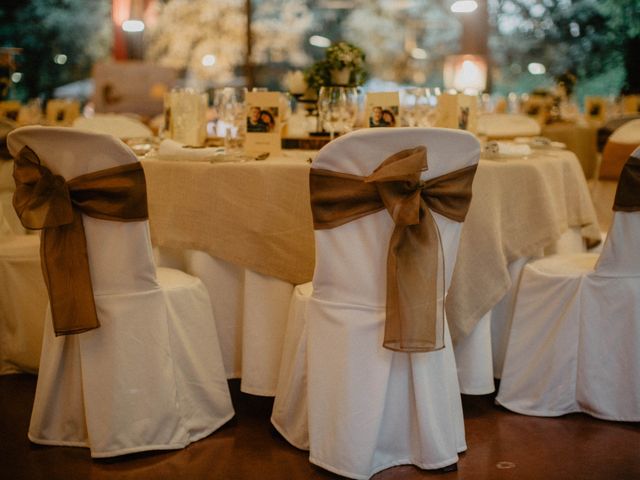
point(186, 112)
point(418, 107)
point(229, 103)
point(337, 109)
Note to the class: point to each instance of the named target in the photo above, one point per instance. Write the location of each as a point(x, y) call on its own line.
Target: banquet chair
point(507, 125)
point(605, 131)
point(622, 142)
point(574, 344)
point(150, 377)
point(357, 406)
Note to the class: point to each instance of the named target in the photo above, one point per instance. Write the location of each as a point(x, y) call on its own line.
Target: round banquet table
point(246, 230)
point(252, 220)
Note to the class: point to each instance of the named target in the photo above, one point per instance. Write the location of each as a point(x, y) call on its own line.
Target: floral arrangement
point(345, 55)
point(339, 56)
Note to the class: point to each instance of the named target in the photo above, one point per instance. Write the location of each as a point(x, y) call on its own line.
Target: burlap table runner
point(518, 207)
point(256, 214)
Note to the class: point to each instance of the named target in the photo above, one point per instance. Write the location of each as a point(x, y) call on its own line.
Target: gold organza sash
point(415, 267)
point(46, 201)
point(628, 191)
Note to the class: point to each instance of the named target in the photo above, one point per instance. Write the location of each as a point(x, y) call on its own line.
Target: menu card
point(382, 109)
point(263, 114)
point(458, 111)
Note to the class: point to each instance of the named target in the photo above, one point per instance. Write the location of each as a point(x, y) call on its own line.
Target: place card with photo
point(595, 108)
point(458, 111)
point(62, 111)
point(263, 113)
point(382, 109)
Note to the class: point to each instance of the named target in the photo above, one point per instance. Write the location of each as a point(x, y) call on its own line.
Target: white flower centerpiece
point(346, 64)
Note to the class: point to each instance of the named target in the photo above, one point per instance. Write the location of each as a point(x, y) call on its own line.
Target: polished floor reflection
point(502, 445)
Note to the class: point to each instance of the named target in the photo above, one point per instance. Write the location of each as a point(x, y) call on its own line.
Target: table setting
point(368, 225)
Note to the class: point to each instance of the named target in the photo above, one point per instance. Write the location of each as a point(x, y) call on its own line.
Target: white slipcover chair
point(507, 125)
point(574, 344)
point(358, 407)
point(151, 377)
point(622, 142)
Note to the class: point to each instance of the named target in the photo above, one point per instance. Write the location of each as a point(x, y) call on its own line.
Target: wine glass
point(337, 109)
point(418, 106)
point(229, 103)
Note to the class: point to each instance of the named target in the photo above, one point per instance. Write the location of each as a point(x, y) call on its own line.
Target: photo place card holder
point(458, 111)
point(382, 109)
point(263, 113)
point(595, 108)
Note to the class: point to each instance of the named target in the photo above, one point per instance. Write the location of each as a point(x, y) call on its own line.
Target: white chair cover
point(574, 344)
point(369, 408)
point(120, 126)
point(151, 377)
point(507, 125)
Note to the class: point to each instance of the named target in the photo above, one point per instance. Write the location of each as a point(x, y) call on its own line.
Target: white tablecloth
point(519, 207)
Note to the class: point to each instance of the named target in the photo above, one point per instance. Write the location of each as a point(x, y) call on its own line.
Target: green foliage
point(79, 29)
point(586, 37)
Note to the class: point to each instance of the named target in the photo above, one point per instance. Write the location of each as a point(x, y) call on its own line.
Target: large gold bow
point(628, 192)
point(415, 267)
point(46, 201)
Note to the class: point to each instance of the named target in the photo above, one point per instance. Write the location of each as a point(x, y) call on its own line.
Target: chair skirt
point(541, 362)
point(150, 378)
point(368, 408)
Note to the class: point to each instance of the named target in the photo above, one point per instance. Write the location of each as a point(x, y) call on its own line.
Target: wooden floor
point(501, 445)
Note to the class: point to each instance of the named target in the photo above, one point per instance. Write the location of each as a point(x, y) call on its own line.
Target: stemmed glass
point(337, 109)
point(418, 106)
point(229, 103)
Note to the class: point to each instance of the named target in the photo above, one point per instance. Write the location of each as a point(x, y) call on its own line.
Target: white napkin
point(172, 150)
point(495, 149)
point(539, 142)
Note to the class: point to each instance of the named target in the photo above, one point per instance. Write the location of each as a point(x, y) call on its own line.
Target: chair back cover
point(120, 254)
point(620, 256)
point(351, 259)
point(507, 125)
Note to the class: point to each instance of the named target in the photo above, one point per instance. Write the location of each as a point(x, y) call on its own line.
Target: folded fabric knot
point(415, 264)
point(627, 197)
point(48, 202)
point(44, 200)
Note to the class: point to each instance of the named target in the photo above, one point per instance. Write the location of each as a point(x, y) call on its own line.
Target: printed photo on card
point(263, 122)
point(382, 109)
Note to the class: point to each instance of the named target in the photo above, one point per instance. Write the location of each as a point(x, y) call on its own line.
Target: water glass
point(337, 109)
point(186, 116)
point(230, 105)
point(418, 106)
